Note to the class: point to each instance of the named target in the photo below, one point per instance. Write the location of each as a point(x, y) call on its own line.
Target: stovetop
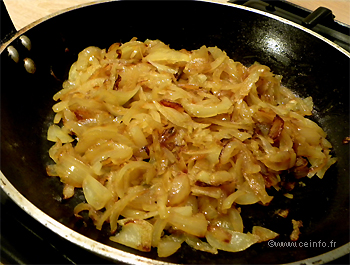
point(25, 241)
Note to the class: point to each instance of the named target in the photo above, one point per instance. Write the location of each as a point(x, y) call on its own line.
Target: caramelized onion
point(264, 233)
point(228, 240)
point(135, 233)
point(276, 128)
point(166, 144)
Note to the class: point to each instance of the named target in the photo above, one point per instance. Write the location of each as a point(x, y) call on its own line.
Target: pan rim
point(105, 250)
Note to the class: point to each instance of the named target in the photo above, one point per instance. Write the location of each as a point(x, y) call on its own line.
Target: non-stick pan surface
point(310, 66)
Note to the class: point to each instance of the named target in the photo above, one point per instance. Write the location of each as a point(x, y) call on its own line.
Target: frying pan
point(310, 65)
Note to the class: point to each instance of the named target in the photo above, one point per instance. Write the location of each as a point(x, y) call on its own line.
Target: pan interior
point(310, 67)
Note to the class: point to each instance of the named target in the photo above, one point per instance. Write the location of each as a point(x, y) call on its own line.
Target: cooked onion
point(169, 146)
point(135, 233)
point(168, 245)
point(264, 233)
point(95, 193)
point(228, 240)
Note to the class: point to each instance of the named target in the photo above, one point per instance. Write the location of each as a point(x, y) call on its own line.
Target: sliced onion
point(118, 98)
point(194, 225)
point(213, 192)
point(229, 200)
point(72, 171)
point(198, 244)
point(96, 134)
point(264, 233)
point(138, 136)
point(167, 55)
point(183, 210)
point(228, 240)
point(68, 191)
point(60, 106)
point(56, 133)
point(117, 153)
point(144, 173)
point(180, 189)
point(229, 150)
point(95, 193)
point(129, 212)
point(135, 234)
point(163, 68)
point(158, 227)
point(236, 220)
point(168, 245)
point(181, 119)
point(207, 109)
point(247, 198)
point(119, 206)
point(208, 206)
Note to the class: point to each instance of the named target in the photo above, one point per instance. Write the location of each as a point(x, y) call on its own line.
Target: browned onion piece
point(294, 236)
point(301, 168)
point(276, 128)
point(172, 104)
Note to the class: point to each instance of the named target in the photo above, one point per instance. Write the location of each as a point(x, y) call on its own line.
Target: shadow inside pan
point(309, 66)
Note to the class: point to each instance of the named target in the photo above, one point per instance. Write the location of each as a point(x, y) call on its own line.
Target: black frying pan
point(310, 65)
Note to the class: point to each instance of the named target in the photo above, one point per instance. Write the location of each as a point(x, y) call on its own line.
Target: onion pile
point(167, 145)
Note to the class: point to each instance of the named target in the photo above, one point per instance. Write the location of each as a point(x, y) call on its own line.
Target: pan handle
point(14, 50)
point(320, 15)
point(7, 27)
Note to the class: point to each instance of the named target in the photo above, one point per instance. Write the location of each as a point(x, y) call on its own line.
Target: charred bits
point(167, 134)
point(276, 128)
point(172, 104)
point(179, 73)
point(346, 140)
point(301, 168)
point(117, 82)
